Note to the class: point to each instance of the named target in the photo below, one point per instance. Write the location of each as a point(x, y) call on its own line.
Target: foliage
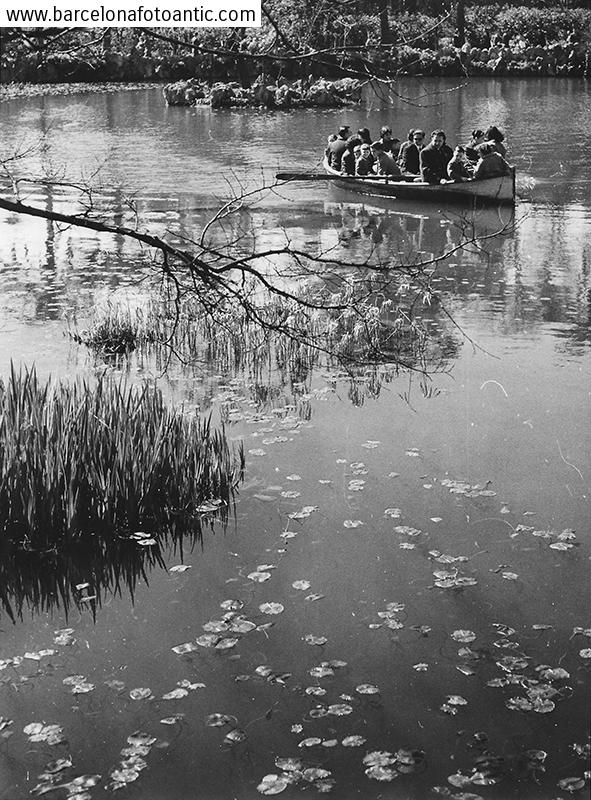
point(75, 457)
point(535, 25)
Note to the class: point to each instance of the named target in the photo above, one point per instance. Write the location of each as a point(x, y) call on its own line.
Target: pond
point(399, 600)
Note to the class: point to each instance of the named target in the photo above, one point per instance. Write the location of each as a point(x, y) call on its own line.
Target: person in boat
point(409, 154)
point(389, 142)
point(432, 161)
point(365, 162)
point(477, 139)
point(490, 164)
point(496, 138)
point(384, 163)
point(349, 159)
point(446, 150)
point(336, 149)
point(458, 168)
point(364, 135)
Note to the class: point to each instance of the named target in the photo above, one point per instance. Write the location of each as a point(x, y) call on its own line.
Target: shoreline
point(15, 91)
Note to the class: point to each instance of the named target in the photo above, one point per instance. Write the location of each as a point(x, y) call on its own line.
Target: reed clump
point(109, 457)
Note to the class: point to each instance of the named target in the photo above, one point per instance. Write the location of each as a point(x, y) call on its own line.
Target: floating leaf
point(421, 667)
point(571, 784)
point(175, 694)
point(207, 640)
point(378, 773)
point(315, 773)
point(460, 781)
point(37, 656)
point(141, 693)
point(313, 597)
point(561, 546)
point(218, 720)
point(241, 625)
point(321, 672)
point(64, 636)
point(301, 585)
point(352, 523)
point(317, 691)
point(181, 649)
point(379, 758)
point(288, 764)
point(259, 577)
point(271, 608)
point(509, 576)
point(293, 477)
point(231, 605)
point(273, 784)
point(172, 720)
point(353, 741)
point(367, 688)
point(39, 732)
point(235, 736)
point(394, 513)
point(463, 636)
point(585, 652)
point(179, 568)
point(456, 700)
point(226, 644)
point(309, 638)
point(406, 530)
point(340, 709)
point(311, 741)
point(257, 451)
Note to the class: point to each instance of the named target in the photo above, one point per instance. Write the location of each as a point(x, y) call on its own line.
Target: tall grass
point(76, 458)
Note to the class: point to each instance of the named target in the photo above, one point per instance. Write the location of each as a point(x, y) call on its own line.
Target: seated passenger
point(384, 163)
point(495, 137)
point(477, 139)
point(458, 168)
point(432, 160)
point(349, 157)
point(389, 142)
point(446, 150)
point(490, 164)
point(364, 135)
point(336, 149)
point(408, 156)
point(365, 161)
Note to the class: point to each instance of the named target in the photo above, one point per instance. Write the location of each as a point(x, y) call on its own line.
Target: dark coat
point(334, 153)
point(491, 166)
point(433, 164)
point(457, 170)
point(408, 158)
point(447, 153)
point(348, 163)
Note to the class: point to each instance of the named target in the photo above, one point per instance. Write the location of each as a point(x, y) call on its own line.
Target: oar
point(320, 176)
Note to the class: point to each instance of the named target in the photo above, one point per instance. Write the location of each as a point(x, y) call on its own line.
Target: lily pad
point(271, 608)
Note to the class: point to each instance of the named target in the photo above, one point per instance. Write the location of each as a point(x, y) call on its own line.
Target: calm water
point(382, 470)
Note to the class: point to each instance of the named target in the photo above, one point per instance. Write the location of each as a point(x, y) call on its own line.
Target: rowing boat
point(490, 191)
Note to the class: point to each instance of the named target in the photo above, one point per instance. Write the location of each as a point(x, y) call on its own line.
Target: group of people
point(413, 160)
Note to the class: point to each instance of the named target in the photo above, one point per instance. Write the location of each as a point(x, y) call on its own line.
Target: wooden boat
point(487, 191)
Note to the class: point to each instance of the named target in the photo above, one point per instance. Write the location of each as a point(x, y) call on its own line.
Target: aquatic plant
point(77, 458)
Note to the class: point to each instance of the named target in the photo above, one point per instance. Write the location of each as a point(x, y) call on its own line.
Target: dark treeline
point(300, 38)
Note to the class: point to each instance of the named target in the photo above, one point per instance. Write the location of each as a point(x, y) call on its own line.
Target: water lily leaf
point(316, 691)
point(509, 576)
point(288, 764)
point(465, 669)
point(293, 477)
point(82, 688)
point(394, 513)
point(309, 638)
point(459, 780)
point(315, 773)
point(318, 712)
point(311, 741)
point(378, 773)
point(301, 585)
point(352, 523)
point(271, 608)
point(329, 742)
point(257, 451)
point(241, 625)
point(175, 694)
point(207, 640)
point(235, 736)
point(288, 534)
point(181, 649)
point(141, 693)
point(64, 636)
point(265, 567)
point(561, 546)
point(272, 784)
point(146, 542)
point(39, 654)
point(313, 597)
point(218, 720)
point(57, 766)
point(334, 663)
point(407, 530)
point(39, 732)
point(421, 667)
point(259, 577)
point(118, 686)
point(353, 741)
point(290, 494)
point(566, 535)
point(297, 728)
point(172, 720)
point(519, 704)
point(456, 700)
point(367, 688)
point(340, 709)
point(571, 784)
point(179, 568)
point(231, 605)
point(550, 674)
point(463, 636)
point(215, 626)
point(585, 652)
point(226, 644)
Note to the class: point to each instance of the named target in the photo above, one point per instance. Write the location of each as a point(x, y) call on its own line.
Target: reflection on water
point(480, 473)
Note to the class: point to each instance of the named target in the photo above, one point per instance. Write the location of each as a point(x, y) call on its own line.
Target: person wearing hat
point(477, 139)
point(336, 149)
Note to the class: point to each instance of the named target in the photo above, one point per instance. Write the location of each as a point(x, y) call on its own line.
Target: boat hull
point(488, 191)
